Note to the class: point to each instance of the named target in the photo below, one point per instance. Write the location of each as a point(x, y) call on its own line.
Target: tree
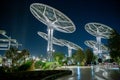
point(24, 54)
point(89, 56)
point(11, 54)
point(79, 57)
point(114, 46)
point(15, 58)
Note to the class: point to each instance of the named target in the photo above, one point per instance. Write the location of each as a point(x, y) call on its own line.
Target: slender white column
point(99, 45)
point(50, 44)
point(69, 52)
point(9, 44)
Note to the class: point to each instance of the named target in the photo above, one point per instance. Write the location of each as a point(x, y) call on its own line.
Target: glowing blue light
point(78, 73)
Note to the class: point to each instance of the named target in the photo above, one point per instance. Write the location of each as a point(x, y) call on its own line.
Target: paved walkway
point(90, 73)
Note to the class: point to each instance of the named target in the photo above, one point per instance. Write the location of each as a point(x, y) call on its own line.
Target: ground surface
point(91, 73)
point(35, 75)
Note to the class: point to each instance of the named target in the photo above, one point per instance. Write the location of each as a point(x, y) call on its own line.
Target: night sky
point(19, 23)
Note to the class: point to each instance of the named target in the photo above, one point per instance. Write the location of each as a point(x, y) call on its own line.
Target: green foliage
point(50, 65)
point(79, 57)
point(114, 46)
point(2, 69)
point(25, 66)
point(24, 54)
point(89, 56)
point(39, 64)
point(12, 54)
point(0, 59)
point(58, 57)
point(17, 59)
point(118, 60)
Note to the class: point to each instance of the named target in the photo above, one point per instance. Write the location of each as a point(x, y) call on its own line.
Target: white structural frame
point(99, 31)
point(54, 19)
point(93, 44)
point(10, 41)
point(55, 40)
point(70, 46)
point(4, 47)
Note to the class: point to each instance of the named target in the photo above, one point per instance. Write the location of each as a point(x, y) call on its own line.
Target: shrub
point(39, 64)
point(25, 66)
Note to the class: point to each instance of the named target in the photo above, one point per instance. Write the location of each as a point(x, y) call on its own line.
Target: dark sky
point(20, 24)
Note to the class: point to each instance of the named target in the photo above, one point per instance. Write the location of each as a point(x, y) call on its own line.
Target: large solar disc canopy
point(70, 46)
point(55, 41)
point(93, 44)
point(54, 19)
point(99, 31)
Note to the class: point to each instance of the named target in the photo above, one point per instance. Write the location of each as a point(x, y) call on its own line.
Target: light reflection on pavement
point(89, 73)
point(78, 74)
